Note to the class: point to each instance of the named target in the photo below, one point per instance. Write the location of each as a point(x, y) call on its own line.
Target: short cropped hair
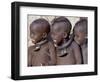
point(65, 21)
point(81, 26)
point(44, 24)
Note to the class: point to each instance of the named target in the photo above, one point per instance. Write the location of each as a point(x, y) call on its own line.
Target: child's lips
point(55, 43)
point(33, 41)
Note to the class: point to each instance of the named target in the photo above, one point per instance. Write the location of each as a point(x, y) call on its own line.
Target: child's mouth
point(33, 41)
point(55, 43)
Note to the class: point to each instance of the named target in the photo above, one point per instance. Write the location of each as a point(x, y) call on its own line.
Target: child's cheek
point(35, 39)
point(59, 39)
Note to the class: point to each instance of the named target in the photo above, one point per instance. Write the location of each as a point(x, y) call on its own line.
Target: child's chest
point(65, 56)
point(41, 56)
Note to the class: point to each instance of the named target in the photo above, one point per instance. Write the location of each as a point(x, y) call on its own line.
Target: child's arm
point(77, 53)
point(52, 54)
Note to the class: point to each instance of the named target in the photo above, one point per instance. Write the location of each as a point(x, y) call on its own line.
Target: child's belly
point(66, 60)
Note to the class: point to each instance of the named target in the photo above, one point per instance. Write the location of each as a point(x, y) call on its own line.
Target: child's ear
point(65, 34)
point(44, 35)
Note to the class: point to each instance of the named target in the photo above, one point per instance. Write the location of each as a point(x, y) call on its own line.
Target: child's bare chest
point(41, 56)
point(65, 57)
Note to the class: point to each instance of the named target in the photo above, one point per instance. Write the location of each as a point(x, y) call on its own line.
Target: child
point(60, 32)
point(41, 53)
point(80, 32)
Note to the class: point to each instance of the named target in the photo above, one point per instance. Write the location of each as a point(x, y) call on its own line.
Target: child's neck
point(38, 45)
point(41, 42)
point(84, 44)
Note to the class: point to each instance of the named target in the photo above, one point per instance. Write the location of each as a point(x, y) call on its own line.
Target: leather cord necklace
point(38, 45)
point(62, 50)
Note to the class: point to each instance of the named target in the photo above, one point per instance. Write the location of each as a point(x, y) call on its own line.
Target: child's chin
point(34, 42)
point(78, 43)
point(56, 44)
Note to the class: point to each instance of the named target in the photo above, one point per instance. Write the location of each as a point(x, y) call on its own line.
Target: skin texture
point(80, 32)
point(60, 35)
point(46, 54)
point(73, 56)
